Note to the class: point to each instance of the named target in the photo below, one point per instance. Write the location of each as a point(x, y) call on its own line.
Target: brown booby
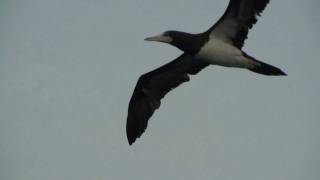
point(219, 45)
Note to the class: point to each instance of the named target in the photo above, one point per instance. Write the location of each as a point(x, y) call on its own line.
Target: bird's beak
point(159, 38)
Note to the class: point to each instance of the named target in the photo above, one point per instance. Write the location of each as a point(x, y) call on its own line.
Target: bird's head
point(165, 37)
point(183, 41)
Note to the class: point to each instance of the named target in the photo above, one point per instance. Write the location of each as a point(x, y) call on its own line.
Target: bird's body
point(218, 52)
point(219, 45)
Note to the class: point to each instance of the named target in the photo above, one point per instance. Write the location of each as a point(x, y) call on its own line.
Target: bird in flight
point(219, 45)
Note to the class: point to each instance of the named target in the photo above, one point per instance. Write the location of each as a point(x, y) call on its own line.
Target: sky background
point(68, 69)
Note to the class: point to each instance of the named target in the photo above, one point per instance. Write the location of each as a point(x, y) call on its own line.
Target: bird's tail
point(264, 68)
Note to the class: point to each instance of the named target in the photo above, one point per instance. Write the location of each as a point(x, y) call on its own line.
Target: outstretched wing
point(235, 23)
point(152, 87)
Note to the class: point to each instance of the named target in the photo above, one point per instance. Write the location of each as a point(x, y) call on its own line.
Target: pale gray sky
point(68, 68)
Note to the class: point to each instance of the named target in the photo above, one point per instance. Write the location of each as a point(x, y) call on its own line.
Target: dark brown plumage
point(152, 87)
point(230, 31)
point(238, 19)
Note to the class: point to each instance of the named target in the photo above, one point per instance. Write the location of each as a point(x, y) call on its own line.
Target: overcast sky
point(68, 68)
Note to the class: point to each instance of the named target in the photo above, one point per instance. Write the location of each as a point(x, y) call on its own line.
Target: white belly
point(217, 52)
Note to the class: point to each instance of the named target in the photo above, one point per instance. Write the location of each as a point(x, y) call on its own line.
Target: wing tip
point(131, 140)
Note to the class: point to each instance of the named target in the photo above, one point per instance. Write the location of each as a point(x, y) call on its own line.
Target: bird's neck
point(190, 43)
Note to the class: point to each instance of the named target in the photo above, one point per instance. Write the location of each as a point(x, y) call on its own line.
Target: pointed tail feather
point(267, 69)
point(264, 68)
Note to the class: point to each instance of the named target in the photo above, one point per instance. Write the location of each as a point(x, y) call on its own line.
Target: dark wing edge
point(152, 87)
point(238, 19)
